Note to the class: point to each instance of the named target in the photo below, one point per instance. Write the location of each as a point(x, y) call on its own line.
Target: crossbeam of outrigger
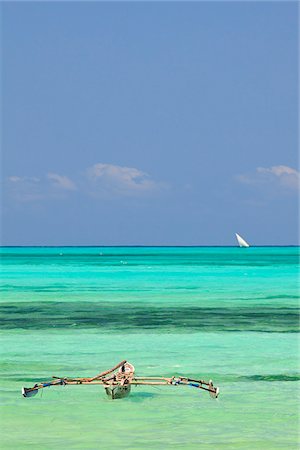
point(118, 380)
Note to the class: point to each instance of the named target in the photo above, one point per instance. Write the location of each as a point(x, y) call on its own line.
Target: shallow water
point(228, 314)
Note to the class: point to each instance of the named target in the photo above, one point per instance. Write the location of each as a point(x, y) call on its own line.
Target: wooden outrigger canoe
point(118, 380)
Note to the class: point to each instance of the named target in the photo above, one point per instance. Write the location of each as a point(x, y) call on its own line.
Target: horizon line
point(144, 246)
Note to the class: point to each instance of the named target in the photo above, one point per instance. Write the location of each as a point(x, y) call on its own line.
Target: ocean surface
point(220, 313)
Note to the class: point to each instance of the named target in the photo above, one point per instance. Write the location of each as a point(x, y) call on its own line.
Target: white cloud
point(100, 180)
point(287, 176)
point(31, 189)
point(120, 180)
point(14, 179)
point(61, 181)
point(284, 176)
point(25, 189)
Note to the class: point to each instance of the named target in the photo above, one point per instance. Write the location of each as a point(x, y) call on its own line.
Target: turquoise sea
point(224, 313)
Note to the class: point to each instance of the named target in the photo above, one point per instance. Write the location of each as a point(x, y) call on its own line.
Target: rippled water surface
point(228, 314)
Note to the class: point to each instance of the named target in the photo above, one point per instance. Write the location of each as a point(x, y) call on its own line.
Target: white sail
point(241, 241)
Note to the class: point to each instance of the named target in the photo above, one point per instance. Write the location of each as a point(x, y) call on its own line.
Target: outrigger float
point(117, 382)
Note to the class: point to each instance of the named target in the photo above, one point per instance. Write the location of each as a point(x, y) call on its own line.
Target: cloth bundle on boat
point(118, 380)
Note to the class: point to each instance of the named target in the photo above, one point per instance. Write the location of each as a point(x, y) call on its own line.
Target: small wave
point(272, 377)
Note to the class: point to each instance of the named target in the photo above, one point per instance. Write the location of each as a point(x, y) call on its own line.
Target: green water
point(228, 314)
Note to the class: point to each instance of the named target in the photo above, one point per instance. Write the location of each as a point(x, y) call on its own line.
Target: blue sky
point(149, 123)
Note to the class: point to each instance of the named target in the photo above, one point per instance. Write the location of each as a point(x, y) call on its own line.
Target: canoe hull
point(28, 392)
point(115, 392)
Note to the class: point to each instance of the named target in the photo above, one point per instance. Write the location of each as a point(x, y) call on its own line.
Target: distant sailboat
point(241, 241)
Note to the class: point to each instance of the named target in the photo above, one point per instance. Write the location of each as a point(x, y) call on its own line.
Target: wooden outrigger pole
point(118, 380)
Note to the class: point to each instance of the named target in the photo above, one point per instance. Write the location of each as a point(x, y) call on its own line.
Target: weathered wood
point(150, 383)
point(153, 378)
point(102, 374)
point(125, 377)
point(195, 381)
point(133, 382)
